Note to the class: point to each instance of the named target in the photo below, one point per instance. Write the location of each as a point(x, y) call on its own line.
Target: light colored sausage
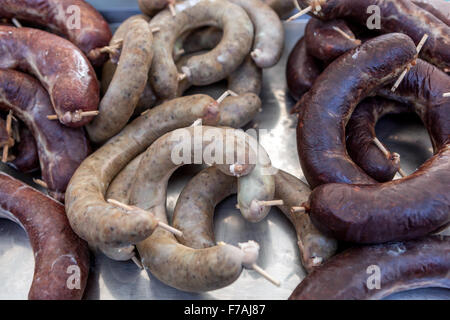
point(315, 247)
point(210, 67)
point(90, 215)
point(269, 32)
point(127, 85)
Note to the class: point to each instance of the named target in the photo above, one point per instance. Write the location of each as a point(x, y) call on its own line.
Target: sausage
point(76, 20)
point(128, 83)
point(407, 208)
point(439, 8)
point(59, 254)
point(194, 213)
point(61, 149)
point(327, 107)
point(315, 247)
point(396, 15)
point(325, 43)
point(258, 185)
point(423, 88)
point(187, 269)
point(90, 182)
point(269, 32)
point(360, 133)
point(302, 70)
point(26, 152)
point(402, 266)
point(61, 67)
point(148, 98)
point(210, 67)
point(245, 79)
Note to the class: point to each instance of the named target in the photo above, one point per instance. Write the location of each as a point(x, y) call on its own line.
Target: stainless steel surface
point(279, 252)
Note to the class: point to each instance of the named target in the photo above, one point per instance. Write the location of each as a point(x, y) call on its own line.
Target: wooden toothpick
point(345, 34)
point(225, 95)
point(387, 154)
point(41, 183)
point(446, 95)
point(137, 209)
point(301, 13)
point(16, 23)
point(403, 74)
point(8, 130)
point(265, 274)
point(298, 210)
point(271, 203)
point(82, 114)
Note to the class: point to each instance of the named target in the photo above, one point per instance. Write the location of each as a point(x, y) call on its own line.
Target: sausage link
point(329, 104)
point(61, 67)
point(187, 269)
point(302, 70)
point(269, 32)
point(128, 83)
point(258, 185)
point(396, 15)
point(315, 247)
point(210, 67)
point(148, 98)
point(403, 266)
point(325, 43)
point(360, 133)
point(90, 216)
point(58, 252)
point(194, 213)
point(61, 149)
point(76, 20)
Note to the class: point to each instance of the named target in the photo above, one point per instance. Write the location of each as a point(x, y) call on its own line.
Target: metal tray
point(279, 253)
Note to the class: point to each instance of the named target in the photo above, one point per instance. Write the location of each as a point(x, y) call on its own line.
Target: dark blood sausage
point(61, 258)
point(25, 152)
point(402, 265)
point(439, 8)
point(325, 43)
point(60, 66)
point(76, 20)
point(302, 69)
point(61, 149)
point(327, 107)
point(398, 210)
point(360, 133)
point(396, 16)
point(422, 90)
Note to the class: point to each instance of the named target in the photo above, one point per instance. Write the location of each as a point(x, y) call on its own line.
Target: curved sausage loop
point(103, 225)
point(203, 269)
point(60, 66)
point(61, 258)
point(207, 68)
point(61, 149)
point(399, 266)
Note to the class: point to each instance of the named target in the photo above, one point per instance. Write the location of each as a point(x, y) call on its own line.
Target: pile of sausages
point(84, 104)
point(101, 115)
point(343, 75)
